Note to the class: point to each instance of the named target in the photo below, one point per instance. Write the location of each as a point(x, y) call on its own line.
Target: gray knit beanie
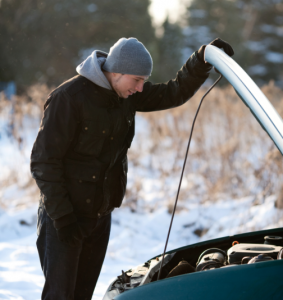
point(128, 56)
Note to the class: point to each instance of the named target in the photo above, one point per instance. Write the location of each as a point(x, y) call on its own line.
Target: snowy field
point(135, 237)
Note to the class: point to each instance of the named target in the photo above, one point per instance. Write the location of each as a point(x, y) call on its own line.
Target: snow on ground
point(135, 237)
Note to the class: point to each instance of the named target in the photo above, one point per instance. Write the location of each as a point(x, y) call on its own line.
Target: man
point(79, 158)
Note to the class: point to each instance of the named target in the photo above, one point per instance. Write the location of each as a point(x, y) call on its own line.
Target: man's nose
point(139, 87)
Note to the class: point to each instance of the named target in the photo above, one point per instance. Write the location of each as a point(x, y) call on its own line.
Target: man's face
point(126, 85)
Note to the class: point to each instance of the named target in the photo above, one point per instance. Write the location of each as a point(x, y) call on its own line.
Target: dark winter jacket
point(79, 158)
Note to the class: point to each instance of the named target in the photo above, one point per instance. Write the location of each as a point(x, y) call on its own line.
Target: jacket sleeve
point(56, 132)
point(174, 92)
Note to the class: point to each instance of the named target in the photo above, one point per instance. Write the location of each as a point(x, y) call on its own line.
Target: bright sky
point(159, 9)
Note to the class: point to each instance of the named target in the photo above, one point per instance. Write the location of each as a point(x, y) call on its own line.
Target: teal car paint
point(246, 282)
point(255, 281)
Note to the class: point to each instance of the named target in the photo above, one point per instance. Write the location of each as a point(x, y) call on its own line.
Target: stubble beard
point(114, 87)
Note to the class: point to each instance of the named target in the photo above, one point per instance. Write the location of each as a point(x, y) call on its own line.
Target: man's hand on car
point(217, 43)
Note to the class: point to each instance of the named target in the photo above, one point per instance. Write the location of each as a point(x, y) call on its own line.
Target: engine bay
point(188, 260)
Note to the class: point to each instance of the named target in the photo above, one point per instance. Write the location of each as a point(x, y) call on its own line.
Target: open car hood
point(249, 92)
point(251, 263)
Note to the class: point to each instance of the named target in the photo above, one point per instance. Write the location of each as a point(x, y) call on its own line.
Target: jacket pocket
point(81, 181)
point(130, 120)
point(119, 183)
point(92, 136)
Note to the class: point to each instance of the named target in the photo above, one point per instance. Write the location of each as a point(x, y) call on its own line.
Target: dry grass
point(230, 156)
point(19, 116)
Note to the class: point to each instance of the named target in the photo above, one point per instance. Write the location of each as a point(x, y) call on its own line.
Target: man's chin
point(125, 95)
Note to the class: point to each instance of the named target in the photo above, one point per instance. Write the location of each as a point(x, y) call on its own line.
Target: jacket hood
point(91, 69)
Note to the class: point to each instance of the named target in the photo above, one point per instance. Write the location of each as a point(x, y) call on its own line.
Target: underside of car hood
point(249, 92)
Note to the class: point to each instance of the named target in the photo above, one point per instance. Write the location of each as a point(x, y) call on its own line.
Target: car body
point(251, 266)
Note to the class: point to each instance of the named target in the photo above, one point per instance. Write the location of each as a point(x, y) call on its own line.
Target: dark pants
point(71, 272)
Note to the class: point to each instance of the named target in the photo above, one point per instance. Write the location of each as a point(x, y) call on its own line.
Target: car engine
point(209, 259)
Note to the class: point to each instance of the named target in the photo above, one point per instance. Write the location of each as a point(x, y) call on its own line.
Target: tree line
point(45, 40)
